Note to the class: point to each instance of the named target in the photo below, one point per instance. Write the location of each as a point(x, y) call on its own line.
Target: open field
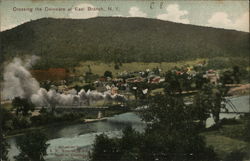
point(100, 67)
point(217, 63)
point(228, 138)
point(224, 145)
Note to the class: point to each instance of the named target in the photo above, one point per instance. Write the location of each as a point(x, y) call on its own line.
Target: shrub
point(236, 155)
point(32, 146)
point(246, 133)
point(229, 121)
point(21, 122)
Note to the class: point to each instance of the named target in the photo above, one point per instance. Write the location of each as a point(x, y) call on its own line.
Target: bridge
point(232, 109)
point(99, 111)
point(90, 108)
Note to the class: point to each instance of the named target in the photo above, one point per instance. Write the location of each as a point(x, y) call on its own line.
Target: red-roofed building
point(53, 74)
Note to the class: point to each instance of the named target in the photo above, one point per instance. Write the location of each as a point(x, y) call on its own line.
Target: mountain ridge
point(119, 39)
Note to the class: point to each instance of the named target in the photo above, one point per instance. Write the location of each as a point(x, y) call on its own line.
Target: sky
point(213, 13)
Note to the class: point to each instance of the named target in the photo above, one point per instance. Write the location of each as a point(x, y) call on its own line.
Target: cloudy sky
point(220, 14)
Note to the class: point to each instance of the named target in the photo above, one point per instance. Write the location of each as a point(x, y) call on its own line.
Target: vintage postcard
point(125, 80)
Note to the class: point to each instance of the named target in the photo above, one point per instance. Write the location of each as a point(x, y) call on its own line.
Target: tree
point(172, 83)
point(4, 146)
point(105, 149)
point(89, 77)
point(130, 144)
point(108, 74)
point(156, 71)
point(200, 108)
point(6, 119)
point(247, 128)
point(235, 155)
point(200, 80)
point(171, 133)
point(209, 100)
point(116, 67)
point(231, 76)
point(22, 105)
point(113, 149)
point(32, 147)
point(236, 74)
point(227, 77)
point(213, 98)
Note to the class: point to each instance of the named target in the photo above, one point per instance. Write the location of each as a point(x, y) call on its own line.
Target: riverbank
point(84, 120)
point(20, 132)
point(82, 135)
point(240, 90)
point(230, 137)
point(89, 119)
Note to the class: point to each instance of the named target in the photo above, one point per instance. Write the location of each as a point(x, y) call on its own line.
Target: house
point(135, 80)
point(155, 79)
point(212, 76)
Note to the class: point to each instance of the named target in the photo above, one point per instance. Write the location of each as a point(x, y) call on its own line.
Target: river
point(73, 142)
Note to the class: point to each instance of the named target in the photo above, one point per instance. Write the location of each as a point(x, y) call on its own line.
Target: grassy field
point(7, 105)
point(227, 139)
point(100, 67)
point(224, 145)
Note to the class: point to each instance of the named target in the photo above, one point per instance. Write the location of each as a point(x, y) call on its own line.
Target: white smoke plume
point(18, 82)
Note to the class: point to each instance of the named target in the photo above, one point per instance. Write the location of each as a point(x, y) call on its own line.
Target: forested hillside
point(65, 42)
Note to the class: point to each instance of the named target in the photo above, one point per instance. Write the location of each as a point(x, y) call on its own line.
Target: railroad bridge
point(99, 111)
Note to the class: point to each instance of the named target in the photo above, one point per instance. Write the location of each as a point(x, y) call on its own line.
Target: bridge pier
point(99, 114)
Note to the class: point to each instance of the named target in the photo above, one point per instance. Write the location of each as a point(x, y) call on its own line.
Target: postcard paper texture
point(125, 80)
